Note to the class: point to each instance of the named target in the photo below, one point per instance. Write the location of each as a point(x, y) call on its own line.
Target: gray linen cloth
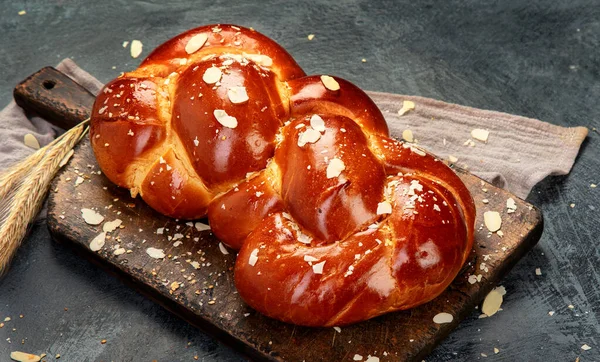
point(519, 152)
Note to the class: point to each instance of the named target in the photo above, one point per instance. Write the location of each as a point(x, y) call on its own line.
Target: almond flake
point(585, 347)
point(337, 329)
point(407, 106)
point(155, 253)
point(330, 83)
point(91, 217)
point(492, 302)
point(442, 318)
point(452, 159)
point(357, 357)
point(335, 167)
point(511, 206)
point(30, 141)
point(372, 359)
point(480, 134)
point(309, 258)
point(125, 44)
point(492, 220)
point(308, 136)
point(260, 59)
point(119, 251)
point(224, 119)
point(201, 227)
point(22, 356)
point(384, 208)
point(66, 158)
point(253, 257)
point(212, 75)
point(311, 36)
point(136, 48)
point(196, 42)
point(111, 226)
point(496, 350)
point(407, 135)
point(223, 249)
point(538, 271)
point(317, 123)
point(318, 268)
point(98, 242)
point(237, 95)
point(79, 181)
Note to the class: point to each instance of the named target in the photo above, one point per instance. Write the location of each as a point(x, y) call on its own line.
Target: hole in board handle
point(49, 84)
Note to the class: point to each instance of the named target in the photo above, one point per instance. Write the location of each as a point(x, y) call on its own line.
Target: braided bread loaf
point(335, 221)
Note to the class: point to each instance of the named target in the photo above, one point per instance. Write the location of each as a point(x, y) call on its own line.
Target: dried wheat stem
point(31, 193)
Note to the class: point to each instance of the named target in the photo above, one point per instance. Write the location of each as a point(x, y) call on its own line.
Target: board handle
point(55, 97)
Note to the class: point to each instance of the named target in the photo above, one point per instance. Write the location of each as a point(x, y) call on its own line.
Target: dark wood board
point(207, 297)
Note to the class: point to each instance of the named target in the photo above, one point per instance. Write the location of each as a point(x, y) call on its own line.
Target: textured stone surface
point(536, 58)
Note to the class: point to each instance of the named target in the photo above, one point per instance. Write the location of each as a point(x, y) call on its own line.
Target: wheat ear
point(32, 178)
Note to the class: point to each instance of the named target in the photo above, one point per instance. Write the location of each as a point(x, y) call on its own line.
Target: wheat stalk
point(28, 182)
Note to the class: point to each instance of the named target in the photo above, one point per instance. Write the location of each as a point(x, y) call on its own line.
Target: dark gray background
point(533, 58)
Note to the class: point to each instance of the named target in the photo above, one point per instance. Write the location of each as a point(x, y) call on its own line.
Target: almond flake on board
point(155, 253)
point(493, 301)
point(442, 318)
point(111, 226)
point(91, 217)
point(407, 106)
point(136, 48)
point(492, 220)
point(30, 141)
point(357, 357)
point(196, 42)
point(24, 357)
point(511, 206)
point(480, 134)
point(223, 249)
point(330, 83)
point(98, 242)
point(201, 226)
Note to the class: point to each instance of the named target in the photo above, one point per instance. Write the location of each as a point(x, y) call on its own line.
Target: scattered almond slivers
point(493, 301)
point(317, 123)
point(407, 135)
point(318, 268)
point(407, 106)
point(480, 134)
point(253, 257)
point(330, 83)
point(309, 136)
point(492, 220)
point(196, 42)
point(30, 141)
point(136, 48)
point(443, 318)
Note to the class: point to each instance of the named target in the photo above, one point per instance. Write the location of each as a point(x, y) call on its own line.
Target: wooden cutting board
point(205, 294)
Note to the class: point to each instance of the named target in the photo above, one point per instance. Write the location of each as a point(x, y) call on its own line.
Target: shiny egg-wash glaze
point(332, 229)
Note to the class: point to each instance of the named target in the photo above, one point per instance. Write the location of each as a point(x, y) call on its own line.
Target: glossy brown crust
point(335, 221)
